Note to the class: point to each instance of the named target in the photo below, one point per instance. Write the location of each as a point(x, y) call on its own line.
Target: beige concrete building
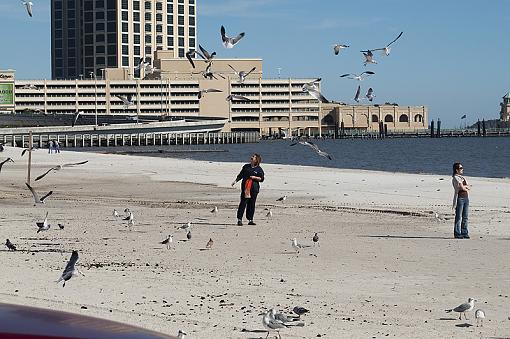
point(91, 35)
point(504, 114)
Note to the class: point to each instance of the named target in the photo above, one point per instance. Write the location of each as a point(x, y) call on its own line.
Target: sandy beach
point(386, 266)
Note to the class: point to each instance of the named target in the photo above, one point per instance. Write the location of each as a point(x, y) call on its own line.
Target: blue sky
point(451, 58)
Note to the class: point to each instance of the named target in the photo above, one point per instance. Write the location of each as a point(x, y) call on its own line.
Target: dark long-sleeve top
point(246, 172)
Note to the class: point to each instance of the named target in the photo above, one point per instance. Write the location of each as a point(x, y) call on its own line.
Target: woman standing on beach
point(460, 202)
point(251, 175)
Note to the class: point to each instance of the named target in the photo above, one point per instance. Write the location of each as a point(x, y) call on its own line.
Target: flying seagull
point(227, 41)
point(463, 308)
point(31, 86)
point(189, 56)
point(5, 161)
point(314, 147)
point(70, 269)
point(28, 5)
point(25, 150)
point(75, 119)
point(208, 90)
point(337, 48)
point(369, 57)
point(59, 167)
point(233, 97)
point(242, 74)
point(43, 226)
point(386, 50)
point(168, 241)
point(205, 55)
point(312, 89)
point(141, 64)
point(36, 197)
point(479, 315)
point(370, 94)
point(209, 74)
point(126, 100)
point(10, 245)
point(359, 77)
point(209, 244)
point(356, 96)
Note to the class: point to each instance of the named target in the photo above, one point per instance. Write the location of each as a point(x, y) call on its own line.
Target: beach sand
point(386, 267)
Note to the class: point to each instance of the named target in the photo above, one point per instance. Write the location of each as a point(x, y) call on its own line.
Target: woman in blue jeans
point(460, 202)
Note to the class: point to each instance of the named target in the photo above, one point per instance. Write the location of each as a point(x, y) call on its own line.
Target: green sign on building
point(6, 94)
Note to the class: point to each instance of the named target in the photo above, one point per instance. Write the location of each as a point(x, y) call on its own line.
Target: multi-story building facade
point(504, 114)
point(89, 36)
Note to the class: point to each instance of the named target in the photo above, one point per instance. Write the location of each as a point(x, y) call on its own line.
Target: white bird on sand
point(360, 77)
point(479, 316)
point(185, 227)
point(272, 324)
point(59, 167)
point(312, 89)
point(214, 210)
point(180, 334)
point(43, 226)
point(298, 246)
point(386, 50)
point(28, 5)
point(242, 74)
point(463, 308)
point(337, 48)
point(208, 90)
point(5, 161)
point(36, 197)
point(282, 199)
point(70, 269)
point(168, 241)
point(269, 213)
point(233, 97)
point(369, 57)
point(230, 42)
point(115, 213)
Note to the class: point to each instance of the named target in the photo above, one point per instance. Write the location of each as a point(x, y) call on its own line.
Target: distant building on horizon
point(504, 114)
point(88, 36)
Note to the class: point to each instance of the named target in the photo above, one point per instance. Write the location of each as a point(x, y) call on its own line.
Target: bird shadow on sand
point(204, 249)
point(404, 237)
point(244, 330)
point(463, 325)
point(288, 253)
point(452, 319)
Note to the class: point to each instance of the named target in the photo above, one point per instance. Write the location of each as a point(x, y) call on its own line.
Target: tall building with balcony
point(89, 36)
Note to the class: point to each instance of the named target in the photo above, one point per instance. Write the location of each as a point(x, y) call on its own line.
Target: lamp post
point(95, 94)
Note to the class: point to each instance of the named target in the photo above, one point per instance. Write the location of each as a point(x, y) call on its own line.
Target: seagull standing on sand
point(209, 244)
point(168, 242)
point(36, 197)
point(214, 210)
point(5, 161)
point(115, 213)
point(463, 308)
point(185, 227)
point(337, 48)
point(316, 240)
point(272, 321)
point(230, 42)
point(479, 316)
point(180, 334)
point(43, 226)
point(386, 50)
point(269, 213)
point(70, 269)
point(282, 199)
point(28, 5)
point(360, 77)
point(10, 245)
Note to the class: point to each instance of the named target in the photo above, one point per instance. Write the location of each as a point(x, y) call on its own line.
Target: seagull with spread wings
point(356, 96)
point(229, 42)
point(337, 48)
point(313, 147)
point(28, 5)
point(43, 226)
point(387, 49)
point(71, 269)
point(370, 94)
point(234, 97)
point(208, 90)
point(313, 90)
point(59, 167)
point(369, 57)
point(360, 77)
point(242, 74)
point(36, 196)
point(205, 54)
point(5, 161)
point(126, 100)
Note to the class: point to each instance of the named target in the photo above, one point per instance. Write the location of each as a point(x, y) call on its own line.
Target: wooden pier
point(133, 139)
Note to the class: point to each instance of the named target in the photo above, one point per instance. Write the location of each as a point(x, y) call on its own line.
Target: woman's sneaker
point(239, 223)
point(251, 223)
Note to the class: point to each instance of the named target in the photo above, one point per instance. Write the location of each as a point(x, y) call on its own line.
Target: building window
point(159, 28)
point(99, 15)
point(136, 50)
point(136, 16)
point(375, 118)
point(125, 38)
point(125, 49)
point(125, 27)
point(170, 42)
point(88, 17)
point(111, 26)
point(170, 8)
point(125, 61)
point(125, 16)
point(100, 38)
point(388, 118)
point(192, 31)
point(403, 118)
point(191, 42)
point(100, 61)
point(418, 118)
point(192, 21)
point(148, 16)
point(170, 19)
point(111, 4)
point(180, 9)
point(159, 17)
point(180, 20)
point(159, 6)
point(111, 15)
point(191, 10)
point(181, 52)
point(137, 39)
point(89, 39)
point(136, 28)
point(112, 38)
point(148, 50)
point(112, 50)
point(112, 62)
point(124, 4)
point(159, 39)
point(181, 42)
point(147, 5)
point(136, 5)
point(148, 39)
point(180, 31)
point(170, 30)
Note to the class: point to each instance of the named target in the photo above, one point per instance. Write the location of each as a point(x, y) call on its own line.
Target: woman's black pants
point(248, 204)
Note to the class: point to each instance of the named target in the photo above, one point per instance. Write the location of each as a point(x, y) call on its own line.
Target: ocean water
point(481, 157)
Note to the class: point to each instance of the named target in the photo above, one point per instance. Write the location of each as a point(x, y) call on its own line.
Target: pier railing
point(132, 139)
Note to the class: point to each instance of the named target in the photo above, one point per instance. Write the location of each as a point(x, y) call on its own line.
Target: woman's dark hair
point(456, 166)
point(258, 158)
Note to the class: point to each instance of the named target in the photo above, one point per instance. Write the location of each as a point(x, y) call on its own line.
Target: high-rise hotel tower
point(88, 36)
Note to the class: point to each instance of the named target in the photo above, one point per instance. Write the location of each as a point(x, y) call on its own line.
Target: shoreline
point(385, 264)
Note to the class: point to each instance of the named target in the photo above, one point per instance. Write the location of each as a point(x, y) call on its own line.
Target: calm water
point(483, 157)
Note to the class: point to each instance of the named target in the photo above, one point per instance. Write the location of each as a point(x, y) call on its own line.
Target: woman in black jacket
point(251, 175)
